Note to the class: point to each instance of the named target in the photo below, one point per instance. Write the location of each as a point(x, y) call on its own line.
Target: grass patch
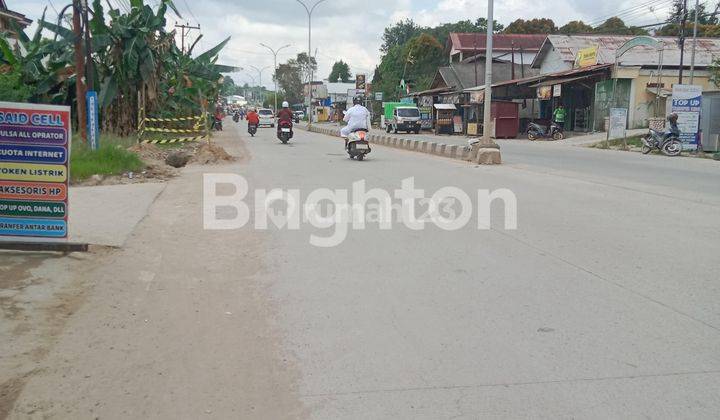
point(634, 141)
point(111, 158)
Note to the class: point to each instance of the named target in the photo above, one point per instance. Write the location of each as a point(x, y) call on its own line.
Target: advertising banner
point(618, 122)
point(93, 119)
point(686, 103)
point(587, 57)
point(34, 170)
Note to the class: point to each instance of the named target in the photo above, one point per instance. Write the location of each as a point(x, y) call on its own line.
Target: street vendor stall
point(444, 114)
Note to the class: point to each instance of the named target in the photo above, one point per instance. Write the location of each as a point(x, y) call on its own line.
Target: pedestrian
point(559, 116)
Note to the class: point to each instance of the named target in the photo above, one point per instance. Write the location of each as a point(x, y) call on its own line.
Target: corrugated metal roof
point(568, 46)
point(460, 41)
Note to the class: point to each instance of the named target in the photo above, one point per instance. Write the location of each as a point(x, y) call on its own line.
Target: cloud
point(343, 29)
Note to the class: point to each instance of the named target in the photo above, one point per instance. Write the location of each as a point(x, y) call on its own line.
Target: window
point(408, 112)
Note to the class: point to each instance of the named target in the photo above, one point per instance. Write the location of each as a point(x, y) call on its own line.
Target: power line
point(631, 10)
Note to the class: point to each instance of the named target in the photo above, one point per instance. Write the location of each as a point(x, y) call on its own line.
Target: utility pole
point(80, 88)
point(310, 11)
point(694, 44)
point(683, 20)
point(183, 33)
point(487, 116)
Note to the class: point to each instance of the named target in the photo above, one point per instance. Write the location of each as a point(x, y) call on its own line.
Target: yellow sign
point(587, 57)
point(31, 172)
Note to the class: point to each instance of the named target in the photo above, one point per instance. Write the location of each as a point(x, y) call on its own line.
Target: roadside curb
point(452, 151)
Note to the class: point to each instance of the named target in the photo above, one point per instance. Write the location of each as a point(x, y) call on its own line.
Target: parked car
point(267, 117)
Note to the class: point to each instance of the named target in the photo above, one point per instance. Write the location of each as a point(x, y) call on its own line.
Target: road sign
point(34, 170)
point(378, 96)
point(93, 121)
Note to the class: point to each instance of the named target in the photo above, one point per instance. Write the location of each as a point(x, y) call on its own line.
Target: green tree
point(12, 89)
point(532, 26)
point(575, 27)
point(399, 33)
point(228, 87)
point(715, 72)
point(340, 71)
point(289, 79)
point(616, 26)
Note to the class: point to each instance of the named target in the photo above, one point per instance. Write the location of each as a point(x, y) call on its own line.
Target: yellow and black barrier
point(196, 132)
point(175, 140)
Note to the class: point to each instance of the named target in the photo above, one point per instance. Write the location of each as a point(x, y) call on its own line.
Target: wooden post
point(80, 87)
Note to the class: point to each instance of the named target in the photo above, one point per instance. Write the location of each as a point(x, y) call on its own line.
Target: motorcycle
point(356, 145)
point(236, 117)
point(285, 132)
point(536, 131)
point(668, 143)
point(217, 124)
point(252, 129)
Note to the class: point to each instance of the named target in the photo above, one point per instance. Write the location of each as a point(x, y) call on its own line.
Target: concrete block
point(432, 148)
point(441, 149)
point(488, 156)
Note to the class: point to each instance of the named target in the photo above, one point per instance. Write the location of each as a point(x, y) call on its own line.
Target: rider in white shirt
point(357, 118)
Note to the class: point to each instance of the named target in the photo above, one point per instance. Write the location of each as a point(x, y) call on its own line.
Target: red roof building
point(7, 15)
point(464, 46)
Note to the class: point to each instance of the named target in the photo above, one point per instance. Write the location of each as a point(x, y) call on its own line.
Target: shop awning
point(553, 82)
point(664, 93)
point(444, 106)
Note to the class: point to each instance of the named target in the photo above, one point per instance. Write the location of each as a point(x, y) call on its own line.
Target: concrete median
point(477, 155)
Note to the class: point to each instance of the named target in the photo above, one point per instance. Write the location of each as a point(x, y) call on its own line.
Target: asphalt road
point(603, 303)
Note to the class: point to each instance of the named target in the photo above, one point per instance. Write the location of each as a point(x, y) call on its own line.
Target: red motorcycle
point(285, 131)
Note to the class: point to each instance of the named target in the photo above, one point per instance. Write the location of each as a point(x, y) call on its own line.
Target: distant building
point(519, 48)
point(7, 16)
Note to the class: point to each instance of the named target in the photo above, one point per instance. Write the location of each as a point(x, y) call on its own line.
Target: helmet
point(673, 117)
point(358, 100)
point(285, 104)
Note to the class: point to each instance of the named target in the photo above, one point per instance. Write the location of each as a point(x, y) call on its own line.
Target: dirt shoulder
point(174, 325)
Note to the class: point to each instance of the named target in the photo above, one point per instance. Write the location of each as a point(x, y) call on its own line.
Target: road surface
point(604, 303)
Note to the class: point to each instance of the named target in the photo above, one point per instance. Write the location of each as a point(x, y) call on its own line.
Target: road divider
point(452, 151)
point(466, 153)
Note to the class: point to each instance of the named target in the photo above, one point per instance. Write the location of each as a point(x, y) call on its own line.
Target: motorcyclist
point(284, 116)
point(356, 118)
point(253, 118)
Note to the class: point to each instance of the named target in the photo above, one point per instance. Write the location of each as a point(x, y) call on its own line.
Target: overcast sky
point(352, 30)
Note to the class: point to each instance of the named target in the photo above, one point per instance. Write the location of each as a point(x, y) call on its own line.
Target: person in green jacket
point(559, 116)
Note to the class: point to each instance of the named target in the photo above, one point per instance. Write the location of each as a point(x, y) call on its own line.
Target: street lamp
point(260, 72)
point(275, 54)
point(310, 11)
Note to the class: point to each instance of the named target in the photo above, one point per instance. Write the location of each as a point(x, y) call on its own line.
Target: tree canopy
point(340, 72)
point(532, 26)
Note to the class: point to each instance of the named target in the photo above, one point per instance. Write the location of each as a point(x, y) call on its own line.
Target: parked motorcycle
point(285, 132)
point(356, 145)
point(252, 129)
point(668, 143)
point(536, 131)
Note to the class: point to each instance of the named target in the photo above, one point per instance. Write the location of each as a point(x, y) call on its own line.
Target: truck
point(401, 116)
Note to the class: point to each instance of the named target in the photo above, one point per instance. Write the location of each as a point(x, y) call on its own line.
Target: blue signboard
point(93, 119)
point(32, 154)
point(33, 227)
point(687, 103)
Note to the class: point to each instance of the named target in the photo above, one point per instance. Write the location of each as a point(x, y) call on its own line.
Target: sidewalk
point(460, 140)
